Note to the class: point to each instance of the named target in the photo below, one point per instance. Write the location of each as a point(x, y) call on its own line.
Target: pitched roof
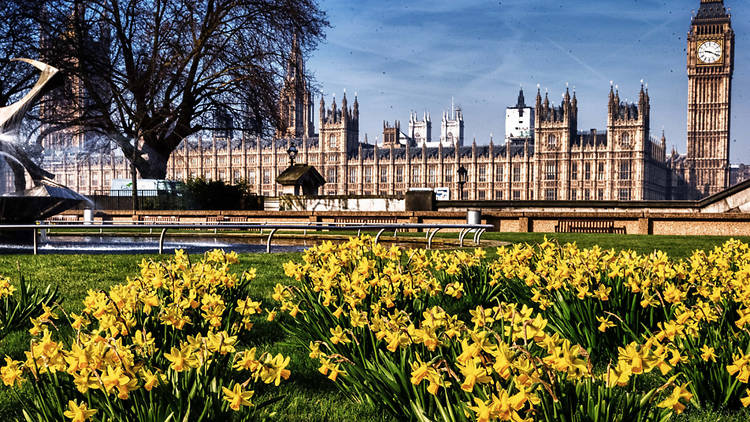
point(711, 10)
point(292, 175)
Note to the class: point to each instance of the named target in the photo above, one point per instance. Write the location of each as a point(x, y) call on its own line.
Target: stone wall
point(723, 224)
point(335, 203)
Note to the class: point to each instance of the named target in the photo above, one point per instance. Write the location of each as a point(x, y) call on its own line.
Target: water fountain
point(46, 198)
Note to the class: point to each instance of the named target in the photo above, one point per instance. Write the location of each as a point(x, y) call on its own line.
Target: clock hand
point(711, 53)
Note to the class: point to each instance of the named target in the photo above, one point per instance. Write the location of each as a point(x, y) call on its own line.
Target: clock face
point(709, 52)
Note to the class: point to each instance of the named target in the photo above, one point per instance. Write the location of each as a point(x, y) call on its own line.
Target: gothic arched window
point(552, 141)
point(625, 140)
point(332, 142)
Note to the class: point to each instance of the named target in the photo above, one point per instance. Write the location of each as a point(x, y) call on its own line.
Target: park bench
point(364, 220)
point(230, 219)
point(239, 219)
point(588, 226)
point(160, 219)
point(368, 220)
point(63, 219)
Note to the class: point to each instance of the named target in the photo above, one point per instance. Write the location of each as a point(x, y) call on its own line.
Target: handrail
point(431, 229)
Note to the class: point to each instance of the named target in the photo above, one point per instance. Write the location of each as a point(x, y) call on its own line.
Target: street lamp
point(462, 173)
point(292, 152)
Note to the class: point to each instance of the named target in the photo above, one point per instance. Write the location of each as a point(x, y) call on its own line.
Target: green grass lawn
point(307, 395)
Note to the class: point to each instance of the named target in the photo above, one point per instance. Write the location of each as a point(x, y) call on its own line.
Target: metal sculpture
point(47, 197)
point(10, 120)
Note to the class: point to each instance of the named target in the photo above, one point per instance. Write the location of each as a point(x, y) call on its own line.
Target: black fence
point(120, 200)
point(153, 200)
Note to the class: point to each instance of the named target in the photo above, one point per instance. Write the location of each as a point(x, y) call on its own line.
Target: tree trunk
point(151, 164)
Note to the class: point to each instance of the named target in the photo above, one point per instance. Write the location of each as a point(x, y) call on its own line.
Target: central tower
point(710, 64)
point(296, 102)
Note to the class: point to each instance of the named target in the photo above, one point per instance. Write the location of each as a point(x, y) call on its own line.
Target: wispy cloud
point(405, 55)
point(569, 53)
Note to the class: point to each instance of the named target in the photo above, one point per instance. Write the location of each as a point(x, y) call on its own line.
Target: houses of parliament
point(544, 155)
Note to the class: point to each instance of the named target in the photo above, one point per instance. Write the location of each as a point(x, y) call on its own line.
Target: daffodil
point(707, 353)
point(673, 400)
point(338, 336)
point(237, 396)
point(79, 413)
point(12, 372)
point(274, 369)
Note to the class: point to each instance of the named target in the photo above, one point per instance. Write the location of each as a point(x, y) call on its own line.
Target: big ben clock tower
point(710, 63)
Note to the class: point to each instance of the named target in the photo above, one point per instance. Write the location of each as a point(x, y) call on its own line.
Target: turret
point(642, 96)
point(334, 110)
point(617, 95)
point(344, 109)
point(538, 98)
point(295, 103)
point(521, 100)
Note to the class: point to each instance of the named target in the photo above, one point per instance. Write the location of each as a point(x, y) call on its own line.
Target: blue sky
point(416, 55)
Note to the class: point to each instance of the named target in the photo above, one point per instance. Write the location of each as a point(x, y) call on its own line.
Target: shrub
point(202, 194)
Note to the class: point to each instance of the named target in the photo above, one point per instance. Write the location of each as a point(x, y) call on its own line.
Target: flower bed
point(163, 346)
point(539, 333)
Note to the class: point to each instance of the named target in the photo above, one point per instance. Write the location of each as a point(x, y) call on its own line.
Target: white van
point(146, 187)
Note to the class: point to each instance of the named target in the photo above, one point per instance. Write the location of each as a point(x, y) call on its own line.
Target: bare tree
point(152, 68)
point(19, 37)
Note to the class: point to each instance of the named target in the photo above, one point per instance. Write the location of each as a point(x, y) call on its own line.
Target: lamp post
point(134, 176)
point(292, 152)
point(462, 173)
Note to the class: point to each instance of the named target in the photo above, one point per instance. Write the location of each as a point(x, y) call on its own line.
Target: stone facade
point(420, 130)
point(738, 174)
point(621, 163)
point(452, 127)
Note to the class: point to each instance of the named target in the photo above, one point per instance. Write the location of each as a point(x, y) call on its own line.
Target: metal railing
point(430, 229)
point(147, 199)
